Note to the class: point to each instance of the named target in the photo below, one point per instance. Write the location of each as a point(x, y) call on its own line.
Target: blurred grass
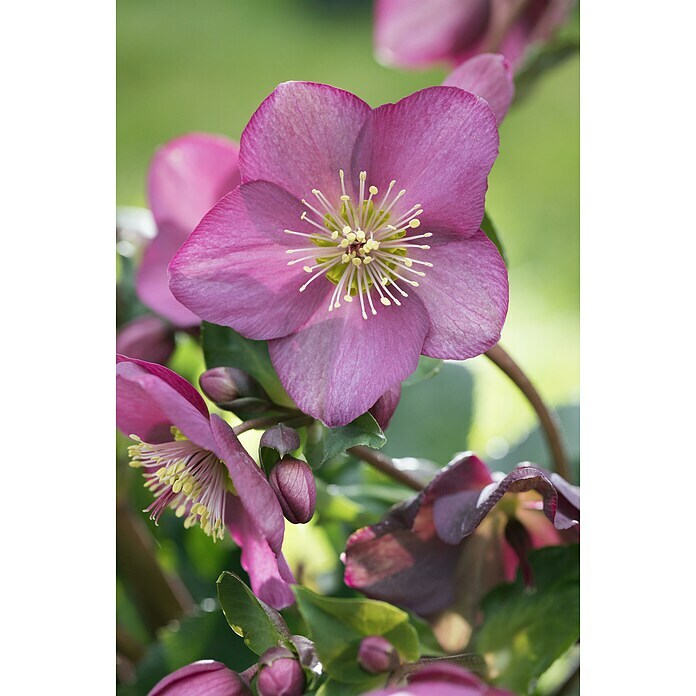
point(205, 66)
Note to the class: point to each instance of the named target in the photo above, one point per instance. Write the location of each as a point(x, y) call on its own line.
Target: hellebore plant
point(420, 33)
point(353, 244)
point(466, 532)
point(203, 677)
point(195, 465)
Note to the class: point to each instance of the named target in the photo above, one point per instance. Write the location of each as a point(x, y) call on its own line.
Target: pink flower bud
point(377, 655)
point(234, 389)
point(293, 483)
point(280, 674)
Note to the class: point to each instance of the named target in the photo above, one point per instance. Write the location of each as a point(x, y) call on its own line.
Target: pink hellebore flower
point(420, 33)
point(441, 552)
point(442, 680)
point(187, 176)
point(202, 678)
point(349, 276)
point(195, 465)
point(147, 338)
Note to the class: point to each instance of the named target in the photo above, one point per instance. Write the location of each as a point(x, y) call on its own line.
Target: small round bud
point(280, 674)
point(293, 483)
point(233, 389)
point(377, 655)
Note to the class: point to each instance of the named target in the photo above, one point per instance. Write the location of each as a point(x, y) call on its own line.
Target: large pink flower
point(187, 176)
point(195, 465)
point(465, 533)
point(353, 243)
point(419, 33)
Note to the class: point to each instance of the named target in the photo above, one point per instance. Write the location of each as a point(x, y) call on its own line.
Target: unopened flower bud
point(281, 674)
point(234, 390)
point(293, 483)
point(377, 655)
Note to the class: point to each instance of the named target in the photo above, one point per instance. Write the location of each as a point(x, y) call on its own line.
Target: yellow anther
point(425, 246)
point(414, 223)
point(341, 173)
point(348, 298)
point(385, 301)
point(363, 175)
point(177, 487)
point(385, 280)
point(161, 472)
point(344, 243)
point(352, 236)
point(357, 261)
point(334, 234)
point(307, 269)
point(315, 191)
point(375, 245)
point(346, 229)
point(428, 234)
point(367, 259)
point(360, 235)
point(345, 258)
point(373, 190)
point(345, 197)
point(408, 263)
point(180, 511)
point(188, 487)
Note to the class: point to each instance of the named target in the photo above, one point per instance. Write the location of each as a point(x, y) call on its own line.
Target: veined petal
point(337, 365)
point(254, 491)
point(202, 678)
point(488, 76)
point(268, 572)
point(439, 145)
point(384, 407)
point(233, 270)
point(416, 34)
point(187, 177)
point(146, 337)
point(300, 137)
point(466, 295)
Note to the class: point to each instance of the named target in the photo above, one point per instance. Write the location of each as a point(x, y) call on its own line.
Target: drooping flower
point(353, 244)
point(420, 33)
point(187, 176)
point(488, 76)
point(466, 532)
point(293, 483)
point(146, 337)
point(441, 679)
point(280, 674)
point(194, 464)
point(205, 677)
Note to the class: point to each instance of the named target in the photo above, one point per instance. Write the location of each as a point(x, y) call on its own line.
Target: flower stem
point(385, 465)
point(548, 421)
point(292, 418)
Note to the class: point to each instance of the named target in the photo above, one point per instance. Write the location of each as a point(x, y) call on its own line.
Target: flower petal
point(337, 365)
point(268, 572)
point(233, 270)
point(202, 678)
point(300, 136)
point(416, 34)
point(466, 295)
point(187, 177)
point(147, 337)
point(384, 407)
point(254, 491)
point(150, 398)
point(488, 76)
point(439, 145)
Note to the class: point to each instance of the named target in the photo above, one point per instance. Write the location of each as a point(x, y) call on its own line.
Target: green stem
point(292, 418)
point(547, 419)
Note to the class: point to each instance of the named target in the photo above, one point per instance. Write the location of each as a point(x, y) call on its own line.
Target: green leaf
point(338, 625)
point(261, 626)
point(492, 233)
point(324, 443)
point(332, 687)
point(525, 631)
point(433, 417)
point(223, 347)
point(427, 368)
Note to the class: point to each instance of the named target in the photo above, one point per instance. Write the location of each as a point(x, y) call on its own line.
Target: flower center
point(362, 246)
point(187, 478)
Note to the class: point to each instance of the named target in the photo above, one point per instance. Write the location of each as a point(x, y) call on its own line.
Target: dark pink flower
point(187, 177)
point(147, 338)
point(419, 33)
point(293, 483)
point(202, 678)
point(442, 679)
point(280, 674)
point(385, 262)
point(441, 552)
point(376, 655)
point(488, 76)
point(195, 465)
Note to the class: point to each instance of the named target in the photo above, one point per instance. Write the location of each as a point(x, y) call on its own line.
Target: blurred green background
point(186, 65)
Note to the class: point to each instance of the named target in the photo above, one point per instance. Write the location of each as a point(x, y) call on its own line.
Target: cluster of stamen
point(359, 248)
point(186, 478)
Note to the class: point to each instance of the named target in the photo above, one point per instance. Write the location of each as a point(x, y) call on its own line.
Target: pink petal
point(147, 338)
point(384, 407)
point(300, 137)
point(202, 678)
point(254, 491)
point(233, 270)
point(465, 293)
point(187, 177)
point(488, 76)
point(417, 34)
point(268, 573)
point(338, 364)
point(439, 145)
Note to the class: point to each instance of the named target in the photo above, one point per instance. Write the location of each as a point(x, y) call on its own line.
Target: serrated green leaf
point(492, 233)
point(223, 347)
point(324, 443)
point(338, 625)
point(524, 631)
point(261, 626)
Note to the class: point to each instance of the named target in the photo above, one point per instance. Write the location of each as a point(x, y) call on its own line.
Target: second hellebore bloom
point(465, 533)
point(353, 243)
point(195, 465)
